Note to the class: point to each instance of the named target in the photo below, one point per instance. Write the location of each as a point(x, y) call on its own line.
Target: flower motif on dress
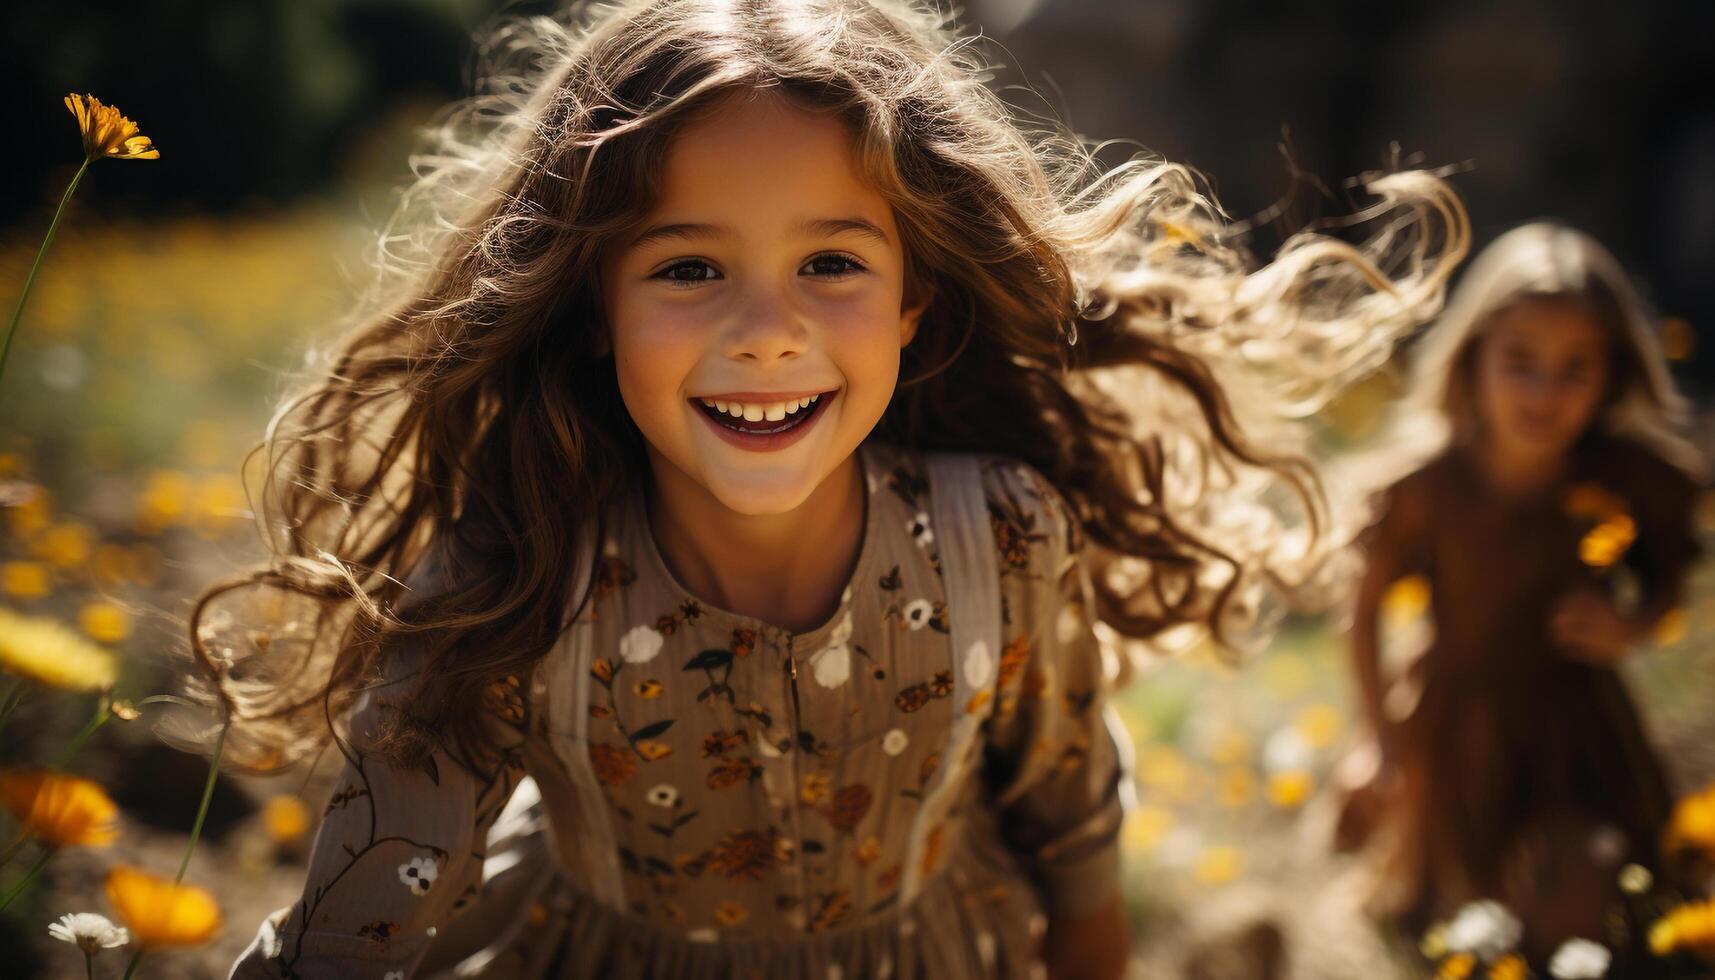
point(663, 795)
point(721, 742)
point(734, 772)
point(379, 931)
point(419, 874)
point(730, 913)
point(748, 855)
point(640, 644)
point(832, 665)
point(612, 764)
point(895, 741)
point(917, 613)
point(920, 531)
point(849, 806)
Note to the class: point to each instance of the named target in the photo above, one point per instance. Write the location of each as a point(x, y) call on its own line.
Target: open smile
point(763, 422)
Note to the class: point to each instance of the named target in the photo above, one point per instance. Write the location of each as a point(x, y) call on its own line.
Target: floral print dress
point(906, 790)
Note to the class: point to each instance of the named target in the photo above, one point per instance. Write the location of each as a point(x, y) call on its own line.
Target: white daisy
point(1484, 928)
point(640, 644)
point(894, 742)
point(832, 665)
point(663, 795)
point(918, 612)
point(88, 931)
point(704, 935)
point(394, 975)
point(979, 664)
point(1287, 750)
point(1579, 959)
point(419, 875)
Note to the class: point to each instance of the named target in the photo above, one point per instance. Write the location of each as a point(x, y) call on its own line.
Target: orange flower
point(106, 133)
point(64, 811)
point(159, 912)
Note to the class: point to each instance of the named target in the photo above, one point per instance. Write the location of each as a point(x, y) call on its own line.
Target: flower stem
point(29, 876)
point(53, 226)
point(207, 795)
point(103, 711)
point(88, 965)
point(10, 699)
point(131, 967)
point(12, 848)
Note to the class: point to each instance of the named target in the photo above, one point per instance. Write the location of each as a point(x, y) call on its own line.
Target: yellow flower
point(25, 579)
point(1693, 823)
point(1319, 724)
point(64, 545)
point(106, 133)
point(1671, 627)
point(1145, 828)
point(64, 811)
point(1688, 927)
point(1607, 541)
point(285, 818)
point(1456, 967)
point(105, 622)
point(1236, 786)
point(1406, 599)
point(159, 912)
point(1288, 790)
point(1219, 865)
point(1508, 967)
point(45, 651)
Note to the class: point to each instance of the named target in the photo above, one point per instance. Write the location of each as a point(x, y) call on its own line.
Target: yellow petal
point(64, 811)
point(160, 913)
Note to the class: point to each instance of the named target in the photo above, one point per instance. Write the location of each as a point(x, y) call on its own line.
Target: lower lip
point(758, 442)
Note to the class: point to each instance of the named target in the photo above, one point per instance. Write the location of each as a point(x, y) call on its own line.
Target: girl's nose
point(767, 328)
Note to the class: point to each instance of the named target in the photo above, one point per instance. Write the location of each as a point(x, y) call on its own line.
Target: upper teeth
point(758, 411)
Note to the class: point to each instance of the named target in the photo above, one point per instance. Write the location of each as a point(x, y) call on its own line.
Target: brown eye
point(688, 272)
point(833, 264)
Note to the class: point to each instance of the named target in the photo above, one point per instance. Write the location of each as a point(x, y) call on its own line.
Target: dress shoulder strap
point(970, 572)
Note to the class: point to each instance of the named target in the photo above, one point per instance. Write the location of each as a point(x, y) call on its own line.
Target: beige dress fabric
point(903, 791)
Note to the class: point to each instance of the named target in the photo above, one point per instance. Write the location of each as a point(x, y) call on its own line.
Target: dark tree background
point(1602, 114)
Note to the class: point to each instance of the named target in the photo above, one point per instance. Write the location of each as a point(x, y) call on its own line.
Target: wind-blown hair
point(1103, 326)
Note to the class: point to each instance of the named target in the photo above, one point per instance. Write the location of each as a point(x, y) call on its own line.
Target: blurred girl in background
point(1553, 528)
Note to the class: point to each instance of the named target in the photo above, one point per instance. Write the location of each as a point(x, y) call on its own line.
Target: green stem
point(207, 795)
point(103, 711)
point(13, 848)
point(29, 876)
point(53, 226)
point(131, 967)
point(88, 965)
point(10, 700)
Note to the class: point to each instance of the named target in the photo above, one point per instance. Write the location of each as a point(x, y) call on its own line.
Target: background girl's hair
point(1105, 327)
point(1546, 260)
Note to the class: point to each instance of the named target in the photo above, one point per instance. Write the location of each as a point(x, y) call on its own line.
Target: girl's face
point(1541, 373)
point(755, 315)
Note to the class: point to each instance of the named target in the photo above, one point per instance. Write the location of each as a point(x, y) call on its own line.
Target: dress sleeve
point(399, 852)
point(1051, 759)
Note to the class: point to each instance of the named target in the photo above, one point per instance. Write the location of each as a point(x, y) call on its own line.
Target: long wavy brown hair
point(442, 458)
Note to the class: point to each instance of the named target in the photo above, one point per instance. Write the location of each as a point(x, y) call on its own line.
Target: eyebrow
point(813, 226)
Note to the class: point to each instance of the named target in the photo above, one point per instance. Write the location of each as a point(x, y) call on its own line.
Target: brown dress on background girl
point(1514, 744)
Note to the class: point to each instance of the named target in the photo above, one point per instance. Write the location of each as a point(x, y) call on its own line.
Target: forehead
point(1551, 327)
point(754, 157)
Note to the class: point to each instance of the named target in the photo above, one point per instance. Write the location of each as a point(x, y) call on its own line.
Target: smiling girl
point(750, 460)
point(1516, 765)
